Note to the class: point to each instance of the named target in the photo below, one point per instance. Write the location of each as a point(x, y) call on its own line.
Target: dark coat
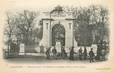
point(91, 54)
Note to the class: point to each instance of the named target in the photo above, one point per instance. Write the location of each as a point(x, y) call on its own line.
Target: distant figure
point(14, 48)
point(63, 53)
point(80, 53)
point(71, 54)
point(103, 54)
point(48, 53)
point(41, 49)
point(91, 55)
point(54, 51)
point(85, 53)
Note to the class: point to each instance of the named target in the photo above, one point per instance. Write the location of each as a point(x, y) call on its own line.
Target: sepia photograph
point(69, 33)
point(56, 35)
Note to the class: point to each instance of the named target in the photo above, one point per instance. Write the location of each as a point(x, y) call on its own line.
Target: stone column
point(46, 33)
point(69, 34)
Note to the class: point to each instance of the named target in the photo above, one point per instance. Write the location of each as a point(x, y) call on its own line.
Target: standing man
point(85, 53)
point(91, 55)
point(54, 51)
point(80, 53)
point(48, 53)
point(63, 53)
point(71, 54)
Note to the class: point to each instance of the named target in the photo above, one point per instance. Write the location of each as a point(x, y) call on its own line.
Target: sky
point(46, 5)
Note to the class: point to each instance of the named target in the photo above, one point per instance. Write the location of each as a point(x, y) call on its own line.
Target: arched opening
point(58, 34)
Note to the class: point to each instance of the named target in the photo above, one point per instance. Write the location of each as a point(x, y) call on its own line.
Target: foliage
point(90, 25)
point(20, 27)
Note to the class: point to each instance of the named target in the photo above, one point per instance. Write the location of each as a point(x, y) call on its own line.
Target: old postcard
point(56, 36)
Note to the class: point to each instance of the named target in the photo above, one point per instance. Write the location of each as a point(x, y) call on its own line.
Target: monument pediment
point(58, 11)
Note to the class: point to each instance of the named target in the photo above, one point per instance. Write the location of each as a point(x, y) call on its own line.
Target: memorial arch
point(57, 28)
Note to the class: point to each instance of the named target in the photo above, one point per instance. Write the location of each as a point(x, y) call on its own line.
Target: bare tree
point(20, 26)
point(25, 25)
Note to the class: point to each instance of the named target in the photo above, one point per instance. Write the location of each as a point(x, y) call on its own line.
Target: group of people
point(56, 54)
point(82, 55)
